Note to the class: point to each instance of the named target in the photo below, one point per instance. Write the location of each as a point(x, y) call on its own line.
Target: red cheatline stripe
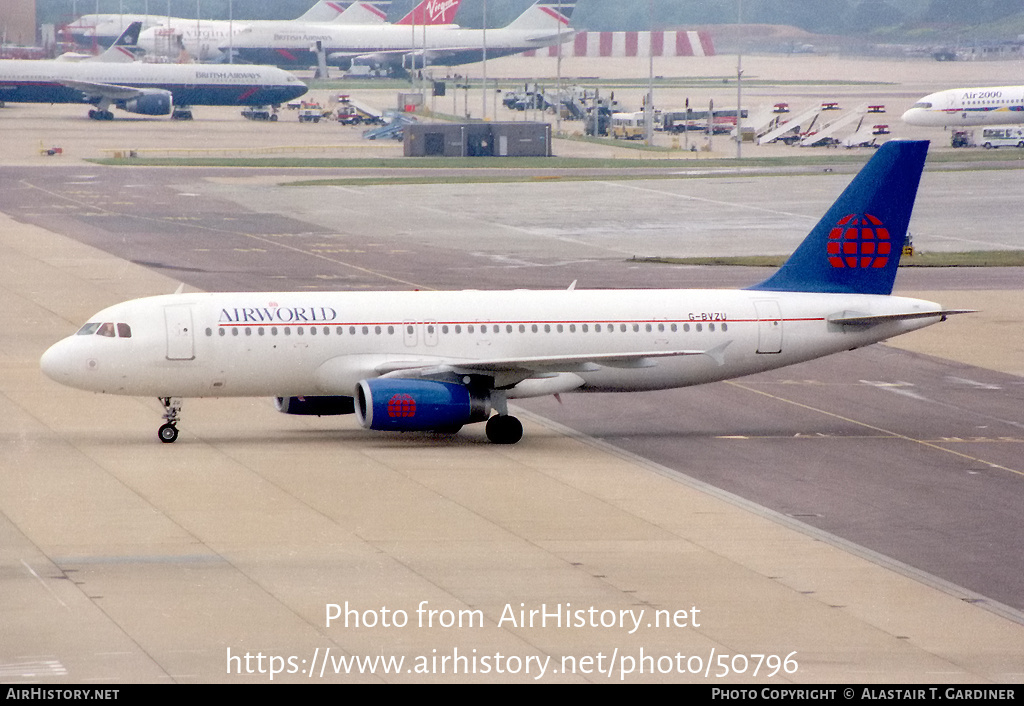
point(399, 324)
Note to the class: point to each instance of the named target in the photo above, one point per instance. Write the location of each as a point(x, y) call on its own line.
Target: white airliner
point(114, 79)
point(999, 105)
point(103, 29)
point(201, 40)
point(427, 32)
point(416, 361)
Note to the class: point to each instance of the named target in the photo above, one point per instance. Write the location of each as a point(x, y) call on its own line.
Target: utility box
point(410, 102)
point(515, 139)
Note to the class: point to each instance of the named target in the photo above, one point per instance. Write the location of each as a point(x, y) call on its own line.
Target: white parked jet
point(103, 29)
point(427, 30)
point(113, 79)
point(201, 40)
point(414, 361)
point(999, 105)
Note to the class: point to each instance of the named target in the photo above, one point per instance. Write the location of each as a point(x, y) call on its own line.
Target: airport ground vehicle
point(962, 138)
point(350, 111)
point(995, 137)
point(628, 126)
point(310, 112)
point(260, 113)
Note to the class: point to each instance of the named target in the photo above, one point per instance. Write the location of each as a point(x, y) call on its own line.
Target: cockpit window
point(923, 105)
point(107, 328)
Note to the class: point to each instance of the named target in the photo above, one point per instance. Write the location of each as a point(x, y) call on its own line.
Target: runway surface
point(908, 460)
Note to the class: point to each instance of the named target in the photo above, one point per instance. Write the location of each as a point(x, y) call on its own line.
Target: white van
point(1002, 137)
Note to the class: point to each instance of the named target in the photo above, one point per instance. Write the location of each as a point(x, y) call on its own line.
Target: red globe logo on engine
point(859, 241)
point(401, 406)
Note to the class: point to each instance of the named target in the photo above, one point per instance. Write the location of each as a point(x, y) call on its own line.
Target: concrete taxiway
point(127, 560)
point(856, 517)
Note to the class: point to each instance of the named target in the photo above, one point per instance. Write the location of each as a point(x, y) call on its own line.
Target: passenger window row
point(447, 329)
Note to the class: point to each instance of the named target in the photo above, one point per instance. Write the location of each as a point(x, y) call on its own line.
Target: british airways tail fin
point(120, 52)
point(361, 13)
point(856, 246)
point(542, 17)
point(322, 11)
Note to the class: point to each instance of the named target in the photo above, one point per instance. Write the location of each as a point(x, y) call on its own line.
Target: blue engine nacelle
point(418, 405)
point(315, 406)
point(151, 102)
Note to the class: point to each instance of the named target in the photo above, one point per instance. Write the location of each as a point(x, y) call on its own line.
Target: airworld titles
point(278, 314)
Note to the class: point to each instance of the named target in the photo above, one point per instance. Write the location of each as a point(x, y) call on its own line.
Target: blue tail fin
point(856, 246)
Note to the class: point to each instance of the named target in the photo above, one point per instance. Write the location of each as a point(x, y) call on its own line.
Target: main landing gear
point(504, 429)
point(101, 115)
point(500, 429)
point(168, 433)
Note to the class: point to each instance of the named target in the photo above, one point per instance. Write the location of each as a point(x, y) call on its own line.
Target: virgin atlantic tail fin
point(432, 12)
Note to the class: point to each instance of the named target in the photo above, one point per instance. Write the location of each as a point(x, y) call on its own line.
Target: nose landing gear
point(168, 433)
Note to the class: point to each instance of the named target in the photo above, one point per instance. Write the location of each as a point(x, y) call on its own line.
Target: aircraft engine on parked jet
point(152, 101)
point(418, 405)
point(341, 60)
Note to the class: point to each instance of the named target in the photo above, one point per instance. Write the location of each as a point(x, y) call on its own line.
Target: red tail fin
point(432, 12)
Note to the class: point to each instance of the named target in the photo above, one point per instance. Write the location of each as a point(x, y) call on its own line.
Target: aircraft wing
point(393, 55)
point(508, 371)
point(110, 91)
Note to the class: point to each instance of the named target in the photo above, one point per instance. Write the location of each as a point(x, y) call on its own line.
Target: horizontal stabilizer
point(883, 318)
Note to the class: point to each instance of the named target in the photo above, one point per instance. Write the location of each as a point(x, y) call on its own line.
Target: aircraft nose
point(908, 117)
point(57, 362)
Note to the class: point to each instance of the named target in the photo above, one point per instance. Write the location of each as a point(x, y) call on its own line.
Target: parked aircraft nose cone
point(57, 363)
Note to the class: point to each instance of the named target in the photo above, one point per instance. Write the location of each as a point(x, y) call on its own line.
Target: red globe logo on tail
point(859, 241)
point(401, 406)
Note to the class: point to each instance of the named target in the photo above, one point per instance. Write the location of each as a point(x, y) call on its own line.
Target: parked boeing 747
point(143, 88)
point(103, 29)
point(426, 34)
point(435, 361)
